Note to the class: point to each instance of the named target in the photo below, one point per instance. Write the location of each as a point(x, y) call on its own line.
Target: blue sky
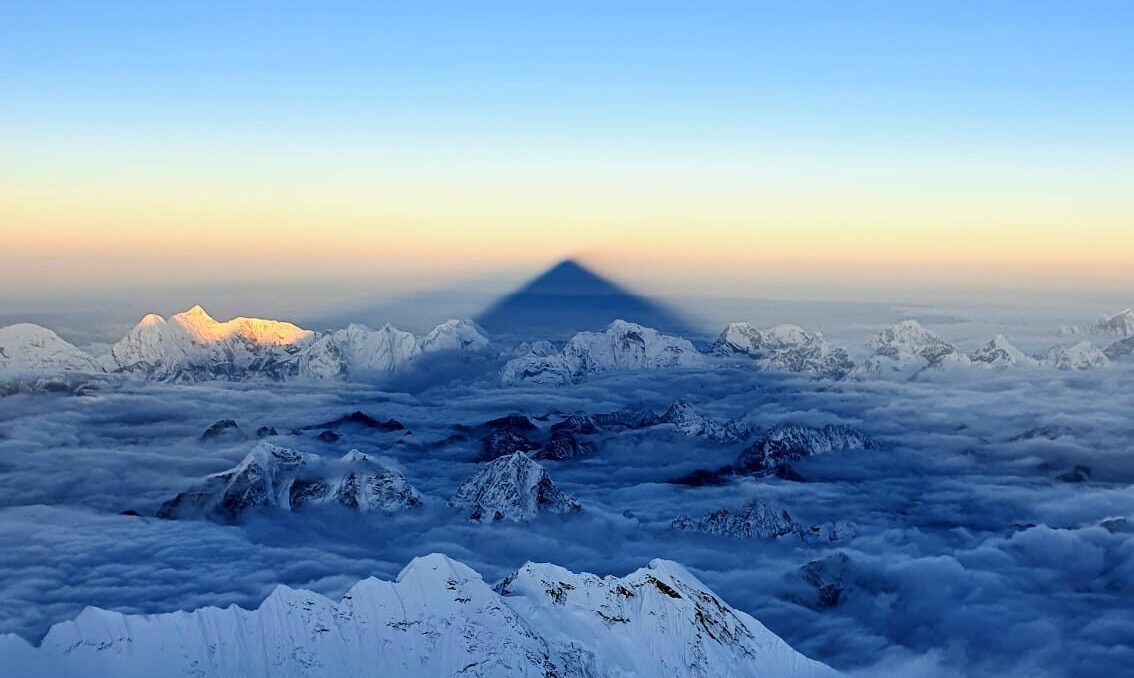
point(875, 69)
point(995, 135)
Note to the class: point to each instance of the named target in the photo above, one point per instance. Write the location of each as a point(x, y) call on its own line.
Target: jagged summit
point(438, 618)
point(568, 298)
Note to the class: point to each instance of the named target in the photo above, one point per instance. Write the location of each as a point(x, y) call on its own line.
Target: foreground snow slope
point(438, 619)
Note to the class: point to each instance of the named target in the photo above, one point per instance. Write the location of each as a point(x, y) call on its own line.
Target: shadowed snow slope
point(568, 298)
point(438, 619)
point(621, 346)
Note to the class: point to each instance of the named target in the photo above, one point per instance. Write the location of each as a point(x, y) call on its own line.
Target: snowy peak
point(909, 341)
point(28, 347)
point(762, 519)
point(755, 520)
point(690, 422)
point(784, 348)
point(204, 329)
point(788, 443)
point(1000, 352)
point(1120, 324)
point(660, 621)
point(439, 618)
point(1081, 356)
point(513, 488)
point(359, 350)
point(192, 346)
point(454, 335)
point(273, 477)
point(620, 346)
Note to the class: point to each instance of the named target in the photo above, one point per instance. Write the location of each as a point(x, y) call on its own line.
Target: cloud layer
point(969, 557)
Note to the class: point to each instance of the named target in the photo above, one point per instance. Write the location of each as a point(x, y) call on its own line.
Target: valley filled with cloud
point(984, 530)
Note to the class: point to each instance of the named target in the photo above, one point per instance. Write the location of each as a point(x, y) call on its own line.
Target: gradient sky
point(856, 149)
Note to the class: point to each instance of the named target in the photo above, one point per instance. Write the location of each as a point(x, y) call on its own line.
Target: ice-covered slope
point(785, 348)
point(439, 618)
point(272, 477)
point(25, 347)
point(620, 346)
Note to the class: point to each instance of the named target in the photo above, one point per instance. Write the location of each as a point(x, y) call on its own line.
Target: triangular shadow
point(569, 298)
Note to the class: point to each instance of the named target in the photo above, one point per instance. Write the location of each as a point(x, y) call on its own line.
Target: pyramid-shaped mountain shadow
point(569, 298)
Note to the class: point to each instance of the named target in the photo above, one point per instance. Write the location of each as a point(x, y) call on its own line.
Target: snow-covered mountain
point(1000, 352)
point(620, 346)
point(1121, 324)
point(787, 443)
point(755, 520)
point(785, 348)
point(358, 349)
point(1120, 349)
point(908, 345)
point(910, 342)
point(1081, 356)
point(690, 422)
point(511, 488)
point(681, 414)
point(192, 346)
point(439, 618)
point(272, 477)
point(25, 347)
point(762, 519)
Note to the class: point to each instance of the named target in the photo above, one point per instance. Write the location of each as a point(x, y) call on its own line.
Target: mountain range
point(620, 331)
point(438, 618)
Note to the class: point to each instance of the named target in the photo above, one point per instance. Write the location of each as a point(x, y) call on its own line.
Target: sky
point(865, 150)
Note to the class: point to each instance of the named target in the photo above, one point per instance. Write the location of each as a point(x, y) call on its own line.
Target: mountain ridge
point(439, 617)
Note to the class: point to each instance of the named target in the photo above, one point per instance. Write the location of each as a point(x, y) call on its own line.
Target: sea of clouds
point(969, 557)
